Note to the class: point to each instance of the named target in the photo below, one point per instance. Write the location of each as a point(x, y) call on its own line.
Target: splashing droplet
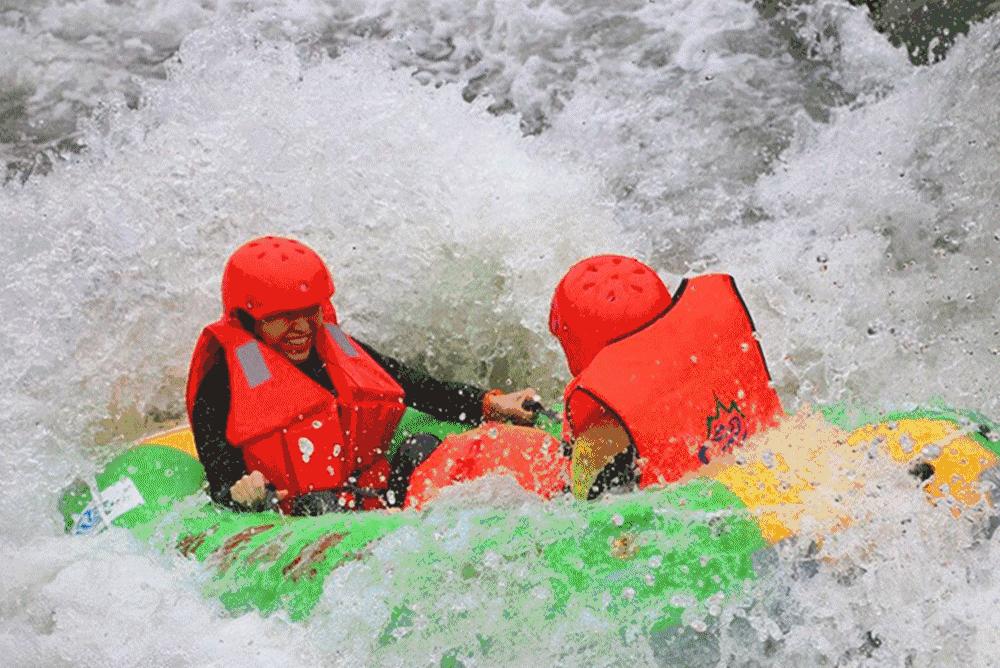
point(307, 448)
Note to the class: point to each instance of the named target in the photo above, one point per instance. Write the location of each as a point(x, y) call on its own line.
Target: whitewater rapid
point(451, 160)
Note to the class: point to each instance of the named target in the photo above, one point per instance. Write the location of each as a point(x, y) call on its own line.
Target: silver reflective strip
point(252, 362)
point(345, 344)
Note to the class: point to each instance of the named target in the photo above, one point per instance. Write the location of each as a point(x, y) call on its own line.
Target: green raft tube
point(650, 558)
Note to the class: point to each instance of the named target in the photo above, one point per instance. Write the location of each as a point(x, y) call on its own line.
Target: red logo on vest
point(727, 429)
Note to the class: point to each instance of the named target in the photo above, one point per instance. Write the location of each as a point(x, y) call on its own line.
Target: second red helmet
point(273, 274)
point(602, 299)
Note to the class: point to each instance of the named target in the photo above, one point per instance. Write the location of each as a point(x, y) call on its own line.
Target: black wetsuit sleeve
point(223, 463)
point(454, 402)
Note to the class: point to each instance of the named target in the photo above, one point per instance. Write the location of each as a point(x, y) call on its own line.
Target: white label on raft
point(118, 498)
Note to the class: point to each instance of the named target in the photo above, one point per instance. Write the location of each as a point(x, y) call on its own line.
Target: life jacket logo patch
point(726, 429)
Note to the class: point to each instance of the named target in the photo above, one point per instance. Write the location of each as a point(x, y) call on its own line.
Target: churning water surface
point(451, 159)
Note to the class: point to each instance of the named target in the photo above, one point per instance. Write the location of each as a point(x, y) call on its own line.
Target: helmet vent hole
point(254, 244)
point(260, 256)
point(637, 288)
point(611, 296)
point(284, 258)
point(591, 267)
point(637, 271)
point(588, 286)
point(300, 251)
point(276, 245)
point(616, 260)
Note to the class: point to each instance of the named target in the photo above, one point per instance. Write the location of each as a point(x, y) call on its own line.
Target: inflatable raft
point(649, 555)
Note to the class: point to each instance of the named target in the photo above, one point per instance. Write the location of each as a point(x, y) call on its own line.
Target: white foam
point(427, 208)
point(447, 230)
point(107, 600)
point(873, 277)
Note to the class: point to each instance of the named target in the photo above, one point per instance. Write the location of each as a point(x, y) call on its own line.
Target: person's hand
point(511, 406)
point(251, 490)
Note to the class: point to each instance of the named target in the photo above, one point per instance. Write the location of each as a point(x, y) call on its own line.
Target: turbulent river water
point(451, 159)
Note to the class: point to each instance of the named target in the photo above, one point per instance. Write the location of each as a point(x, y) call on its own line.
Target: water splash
point(702, 136)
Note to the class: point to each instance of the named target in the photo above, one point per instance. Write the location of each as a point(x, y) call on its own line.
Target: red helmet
point(601, 299)
point(273, 274)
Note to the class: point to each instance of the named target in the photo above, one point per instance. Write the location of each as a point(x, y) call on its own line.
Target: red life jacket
point(291, 429)
point(531, 456)
point(688, 386)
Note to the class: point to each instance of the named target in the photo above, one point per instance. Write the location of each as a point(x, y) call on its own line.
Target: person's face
point(291, 333)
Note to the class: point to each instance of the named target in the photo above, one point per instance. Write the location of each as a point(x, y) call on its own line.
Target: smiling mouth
point(298, 342)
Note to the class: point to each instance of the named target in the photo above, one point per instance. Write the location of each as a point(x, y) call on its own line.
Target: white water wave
point(853, 196)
